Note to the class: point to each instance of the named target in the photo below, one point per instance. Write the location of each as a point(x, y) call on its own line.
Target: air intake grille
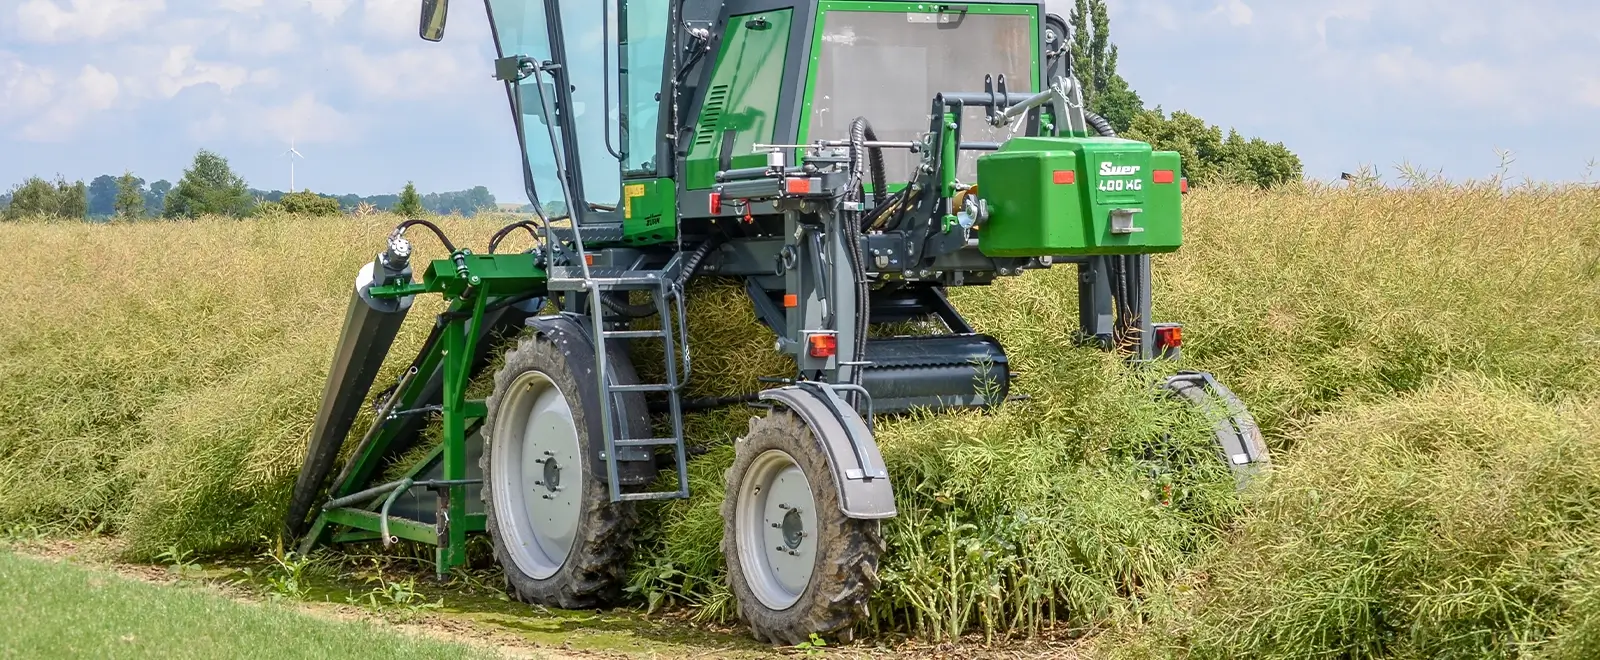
point(715, 100)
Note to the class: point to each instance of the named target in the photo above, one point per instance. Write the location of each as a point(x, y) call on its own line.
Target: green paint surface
point(649, 211)
point(1033, 211)
point(743, 96)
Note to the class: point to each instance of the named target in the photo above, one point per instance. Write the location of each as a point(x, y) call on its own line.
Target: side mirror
point(433, 13)
point(531, 98)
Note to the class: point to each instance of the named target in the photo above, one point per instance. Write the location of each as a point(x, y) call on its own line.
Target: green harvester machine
point(849, 161)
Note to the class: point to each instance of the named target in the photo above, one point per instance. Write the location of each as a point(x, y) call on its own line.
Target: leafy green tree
point(410, 204)
point(1094, 60)
point(309, 203)
point(155, 197)
point(37, 197)
point(1210, 158)
point(102, 196)
point(208, 187)
point(129, 204)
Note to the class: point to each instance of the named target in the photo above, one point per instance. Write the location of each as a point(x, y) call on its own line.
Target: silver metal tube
point(363, 496)
point(1022, 108)
point(383, 516)
point(875, 144)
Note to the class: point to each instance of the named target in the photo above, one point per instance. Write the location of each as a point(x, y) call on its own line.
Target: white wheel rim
point(536, 476)
point(776, 529)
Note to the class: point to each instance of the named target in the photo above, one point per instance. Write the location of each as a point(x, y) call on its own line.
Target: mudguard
point(858, 468)
point(1239, 439)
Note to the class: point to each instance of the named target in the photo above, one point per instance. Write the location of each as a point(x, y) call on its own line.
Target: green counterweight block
point(1049, 196)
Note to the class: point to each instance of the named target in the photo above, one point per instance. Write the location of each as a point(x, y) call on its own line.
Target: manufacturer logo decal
point(1107, 169)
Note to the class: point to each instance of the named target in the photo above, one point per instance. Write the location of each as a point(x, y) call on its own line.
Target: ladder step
point(646, 442)
point(653, 495)
point(652, 387)
point(633, 334)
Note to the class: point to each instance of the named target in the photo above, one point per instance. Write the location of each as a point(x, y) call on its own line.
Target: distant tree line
point(210, 187)
point(1208, 156)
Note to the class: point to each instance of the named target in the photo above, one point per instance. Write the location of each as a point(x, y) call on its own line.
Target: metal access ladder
point(666, 297)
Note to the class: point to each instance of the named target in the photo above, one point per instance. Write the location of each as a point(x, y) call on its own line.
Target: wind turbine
point(292, 154)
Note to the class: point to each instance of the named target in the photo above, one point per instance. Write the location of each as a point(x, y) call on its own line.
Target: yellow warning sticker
point(629, 192)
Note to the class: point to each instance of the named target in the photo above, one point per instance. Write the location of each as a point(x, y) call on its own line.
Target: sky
point(102, 86)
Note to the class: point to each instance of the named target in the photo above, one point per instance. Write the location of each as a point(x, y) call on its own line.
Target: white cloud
point(1159, 13)
point(46, 21)
point(1236, 11)
point(1346, 10)
point(266, 78)
point(1473, 81)
point(180, 70)
point(1589, 92)
point(276, 37)
point(99, 88)
point(389, 18)
point(91, 92)
point(330, 10)
point(408, 72)
point(23, 88)
point(303, 119)
point(240, 5)
point(307, 120)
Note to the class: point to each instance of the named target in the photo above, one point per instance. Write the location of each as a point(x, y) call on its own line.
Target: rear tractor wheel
point(555, 532)
point(796, 564)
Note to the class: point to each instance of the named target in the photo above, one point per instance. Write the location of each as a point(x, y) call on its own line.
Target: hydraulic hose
point(432, 227)
point(1100, 124)
point(691, 265)
point(494, 241)
point(860, 132)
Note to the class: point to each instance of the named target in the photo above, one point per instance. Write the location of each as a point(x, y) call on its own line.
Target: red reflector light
point(1183, 185)
point(1065, 176)
point(716, 203)
point(797, 186)
point(791, 300)
point(824, 345)
point(1170, 336)
point(1162, 176)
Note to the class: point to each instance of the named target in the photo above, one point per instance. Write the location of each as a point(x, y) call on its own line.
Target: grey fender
point(1238, 437)
point(858, 468)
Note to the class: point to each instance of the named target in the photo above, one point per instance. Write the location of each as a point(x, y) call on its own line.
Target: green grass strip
point(57, 610)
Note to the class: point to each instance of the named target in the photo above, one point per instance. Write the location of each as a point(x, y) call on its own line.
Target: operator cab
point(632, 105)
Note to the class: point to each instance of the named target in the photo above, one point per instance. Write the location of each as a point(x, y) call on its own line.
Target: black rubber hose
point(860, 132)
point(1100, 124)
point(494, 241)
point(691, 265)
point(629, 310)
point(435, 228)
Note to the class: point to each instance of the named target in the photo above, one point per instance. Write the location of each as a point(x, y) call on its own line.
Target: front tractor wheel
point(796, 564)
point(555, 532)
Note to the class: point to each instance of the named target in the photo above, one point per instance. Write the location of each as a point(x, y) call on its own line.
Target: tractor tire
point(832, 559)
point(1235, 434)
point(559, 539)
